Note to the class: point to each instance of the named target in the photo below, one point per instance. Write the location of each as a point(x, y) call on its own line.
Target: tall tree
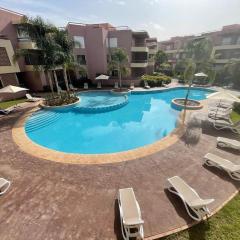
point(160, 58)
point(188, 78)
point(119, 62)
point(233, 69)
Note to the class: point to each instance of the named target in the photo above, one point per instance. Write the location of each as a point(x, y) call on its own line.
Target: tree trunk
point(120, 76)
point(50, 80)
point(65, 78)
point(56, 81)
point(185, 103)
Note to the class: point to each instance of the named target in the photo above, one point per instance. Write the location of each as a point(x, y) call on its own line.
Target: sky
point(161, 18)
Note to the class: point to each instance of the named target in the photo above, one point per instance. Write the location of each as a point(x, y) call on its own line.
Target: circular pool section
point(146, 118)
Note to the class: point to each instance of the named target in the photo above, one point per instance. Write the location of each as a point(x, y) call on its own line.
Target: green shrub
point(155, 80)
point(236, 107)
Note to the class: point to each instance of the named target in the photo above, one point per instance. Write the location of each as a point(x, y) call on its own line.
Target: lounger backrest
point(129, 207)
point(187, 193)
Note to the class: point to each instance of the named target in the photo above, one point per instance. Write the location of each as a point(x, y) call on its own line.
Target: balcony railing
point(139, 61)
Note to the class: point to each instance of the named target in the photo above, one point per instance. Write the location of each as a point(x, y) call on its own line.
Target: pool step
point(41, 119)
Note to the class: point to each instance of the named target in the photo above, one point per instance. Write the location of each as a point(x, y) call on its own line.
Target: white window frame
point(79, 42)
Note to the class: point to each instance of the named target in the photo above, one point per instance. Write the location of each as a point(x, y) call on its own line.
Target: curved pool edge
point(27, 145)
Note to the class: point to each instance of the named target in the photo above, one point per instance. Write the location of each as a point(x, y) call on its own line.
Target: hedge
point(155, 80)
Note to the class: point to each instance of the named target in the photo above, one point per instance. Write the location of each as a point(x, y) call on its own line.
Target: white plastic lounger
point(4, 185)
point(32, 99)
point(132, 85)
point(229, 143)
point(224, 104)
point(219, 114)
point(220, 124)
point(116, 85)
point(71, 87)
point(232, 169)
point(146, 85)
point(85, 86)
point(130, 215)
point(195, 206)
point(99, 85)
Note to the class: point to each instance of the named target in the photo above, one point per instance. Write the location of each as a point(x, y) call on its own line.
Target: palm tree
point(119, 62)
point(41, 33)
point(188, 77)
point(64, 47)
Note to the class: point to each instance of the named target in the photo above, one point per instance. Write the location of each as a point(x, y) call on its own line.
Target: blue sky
point(161, 18)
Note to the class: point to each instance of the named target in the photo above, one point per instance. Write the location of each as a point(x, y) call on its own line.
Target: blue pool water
point(145, 119)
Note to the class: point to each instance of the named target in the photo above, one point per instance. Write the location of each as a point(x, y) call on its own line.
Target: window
point(78, 42)
point(111, 42)
point(4, 60)
point(114, 73)
point(168, 47)
point(22, 33)
point(81, 59)
point(226, 41)
point(1, 84)
point(238, 40)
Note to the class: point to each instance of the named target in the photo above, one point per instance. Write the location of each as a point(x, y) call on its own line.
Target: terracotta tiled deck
point(50, 200)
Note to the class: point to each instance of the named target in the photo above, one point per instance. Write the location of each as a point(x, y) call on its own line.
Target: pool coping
point(26, 145)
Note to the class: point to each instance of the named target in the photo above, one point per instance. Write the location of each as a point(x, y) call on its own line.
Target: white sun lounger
point(130, 215)
point(195, 206)
point(220, 124)
point(85, 86)
point(71, 87)
point(116, 85)
point(223, 104)
point(146, 85)
point(132, 85)
point(218, 114)
point(99, 85)
point(32, 99)
point(232, 169)
point(4, 185)
point(229, 143)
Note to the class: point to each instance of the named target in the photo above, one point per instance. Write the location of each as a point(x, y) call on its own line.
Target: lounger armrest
point(201, 202)
point(133, 222)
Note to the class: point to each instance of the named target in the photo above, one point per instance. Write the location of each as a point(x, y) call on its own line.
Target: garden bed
point(179, 104)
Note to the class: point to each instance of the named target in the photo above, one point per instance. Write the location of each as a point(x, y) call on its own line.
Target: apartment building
point(11, 28)
point(226, 45)
point(94, 44)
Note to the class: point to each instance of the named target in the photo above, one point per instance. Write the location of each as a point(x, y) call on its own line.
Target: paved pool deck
point(52, 201)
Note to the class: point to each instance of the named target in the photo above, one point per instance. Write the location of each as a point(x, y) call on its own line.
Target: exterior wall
point(35, 80)
point(177, 44)
point(7, 66)
point(9, 30)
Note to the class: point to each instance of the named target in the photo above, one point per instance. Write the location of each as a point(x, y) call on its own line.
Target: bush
point(60, 99)
point(155, 80)
point(236, 107)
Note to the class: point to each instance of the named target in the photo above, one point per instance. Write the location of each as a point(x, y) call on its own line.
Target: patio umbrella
point(200, 74)
point(102, 77)
point(12, 89)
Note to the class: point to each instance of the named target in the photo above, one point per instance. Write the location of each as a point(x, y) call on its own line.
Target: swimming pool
point(147, 117)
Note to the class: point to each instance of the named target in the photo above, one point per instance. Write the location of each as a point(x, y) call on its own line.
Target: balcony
point(152, 50)
point(139, 49)
point(139, 63)
point(26, 44)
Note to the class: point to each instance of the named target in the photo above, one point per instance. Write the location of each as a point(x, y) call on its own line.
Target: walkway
point(49, 200)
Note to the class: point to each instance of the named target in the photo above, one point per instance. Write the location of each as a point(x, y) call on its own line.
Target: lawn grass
point(235, 116)
point(7, 104)
point(224, 225)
